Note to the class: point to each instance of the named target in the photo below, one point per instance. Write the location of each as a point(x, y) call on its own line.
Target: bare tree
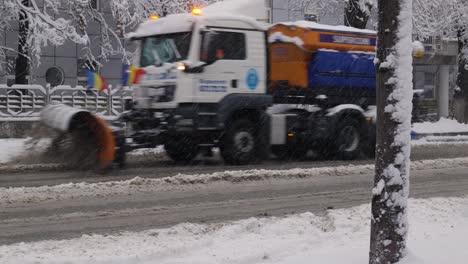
point(357, 13)
point(49, 25)
point(394, 96)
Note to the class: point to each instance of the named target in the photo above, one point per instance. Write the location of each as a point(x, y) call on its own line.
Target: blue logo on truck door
point(252, 79)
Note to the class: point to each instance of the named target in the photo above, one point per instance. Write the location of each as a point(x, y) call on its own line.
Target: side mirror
point(208, 47)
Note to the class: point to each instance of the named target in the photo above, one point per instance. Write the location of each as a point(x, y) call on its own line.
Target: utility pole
point(394, 96)
point(22, 63)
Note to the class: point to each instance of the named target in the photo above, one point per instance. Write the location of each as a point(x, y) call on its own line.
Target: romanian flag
point(131, 75)
point(96, 81)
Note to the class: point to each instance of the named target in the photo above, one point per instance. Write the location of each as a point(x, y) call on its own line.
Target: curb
point(463, 136)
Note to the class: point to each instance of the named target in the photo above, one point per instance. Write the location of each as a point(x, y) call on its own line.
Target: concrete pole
point(443, 91)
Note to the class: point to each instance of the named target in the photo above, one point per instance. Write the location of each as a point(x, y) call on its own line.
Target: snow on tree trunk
point(394, 95)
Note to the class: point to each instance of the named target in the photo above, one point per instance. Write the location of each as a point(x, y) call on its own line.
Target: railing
point(24, 102)
point(440, 46)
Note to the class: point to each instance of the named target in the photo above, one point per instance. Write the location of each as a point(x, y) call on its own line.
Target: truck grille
point(162, 94)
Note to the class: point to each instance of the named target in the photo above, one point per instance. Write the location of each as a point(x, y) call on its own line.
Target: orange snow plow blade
point(106, 141)
point(84, 140)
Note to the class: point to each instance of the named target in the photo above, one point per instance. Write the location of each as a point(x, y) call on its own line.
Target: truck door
point(231, 72)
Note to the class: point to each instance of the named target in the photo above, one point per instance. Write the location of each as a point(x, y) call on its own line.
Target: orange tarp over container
point(290, 61)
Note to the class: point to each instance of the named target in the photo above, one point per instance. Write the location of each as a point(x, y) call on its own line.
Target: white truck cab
point(204, 85)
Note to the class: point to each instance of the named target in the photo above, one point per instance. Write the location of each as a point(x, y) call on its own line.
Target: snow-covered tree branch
point(48, 25)
point(357, 12)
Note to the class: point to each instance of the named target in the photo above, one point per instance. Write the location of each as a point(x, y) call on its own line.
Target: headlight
point(181, 66)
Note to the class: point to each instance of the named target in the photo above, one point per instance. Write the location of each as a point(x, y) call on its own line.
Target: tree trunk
point(22, 63)
point(462, 78)
point(354, 16)
point(394, 95)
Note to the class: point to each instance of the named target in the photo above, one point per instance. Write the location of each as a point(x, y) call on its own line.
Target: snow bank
point(21, 195)
point(440, 140)
point(438, 235)
point(444, 125)
point(10, 148)
point(148, 151)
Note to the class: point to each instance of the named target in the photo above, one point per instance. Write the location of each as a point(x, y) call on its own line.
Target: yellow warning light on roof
point(196, 11)
point(154, 17)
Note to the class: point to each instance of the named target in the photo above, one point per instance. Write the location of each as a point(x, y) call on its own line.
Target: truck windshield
point(168, 48)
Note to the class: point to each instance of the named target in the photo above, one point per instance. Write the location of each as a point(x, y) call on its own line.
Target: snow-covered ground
point(437, 235)
point(10, 148)
point(14, 147)
point(444, 125)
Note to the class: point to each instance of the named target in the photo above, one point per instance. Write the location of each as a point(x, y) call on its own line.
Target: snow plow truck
point(247, 88)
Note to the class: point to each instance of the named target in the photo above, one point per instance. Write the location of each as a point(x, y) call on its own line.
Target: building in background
point(63, 64)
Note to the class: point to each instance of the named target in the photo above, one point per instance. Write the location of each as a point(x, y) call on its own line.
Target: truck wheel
point(239, 145)
point(183, 149)
point(348, 139)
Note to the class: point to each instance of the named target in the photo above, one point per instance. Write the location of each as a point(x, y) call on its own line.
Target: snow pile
point(438, 234)
point(444, 125)
point(141, 185)
point(148, 151)
point(21, 195)
point(11, 148)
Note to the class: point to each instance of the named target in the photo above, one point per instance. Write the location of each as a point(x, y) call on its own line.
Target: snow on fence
point(24, 102)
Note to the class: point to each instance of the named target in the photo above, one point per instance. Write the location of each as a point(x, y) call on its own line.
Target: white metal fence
point(24, 102)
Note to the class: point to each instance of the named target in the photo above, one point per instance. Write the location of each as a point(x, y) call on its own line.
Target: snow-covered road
point(29, 214)
point(150, 165)
point(437, 235)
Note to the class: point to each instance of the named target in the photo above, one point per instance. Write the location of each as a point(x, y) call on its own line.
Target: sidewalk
point(444, 130)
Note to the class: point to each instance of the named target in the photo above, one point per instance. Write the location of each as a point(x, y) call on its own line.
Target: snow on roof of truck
point(317, 26)
point(184, 23)
point(170, 24)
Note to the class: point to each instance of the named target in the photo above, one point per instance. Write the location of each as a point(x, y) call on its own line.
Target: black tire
point(348, 140)
point(181, 149)
point(240, 144)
